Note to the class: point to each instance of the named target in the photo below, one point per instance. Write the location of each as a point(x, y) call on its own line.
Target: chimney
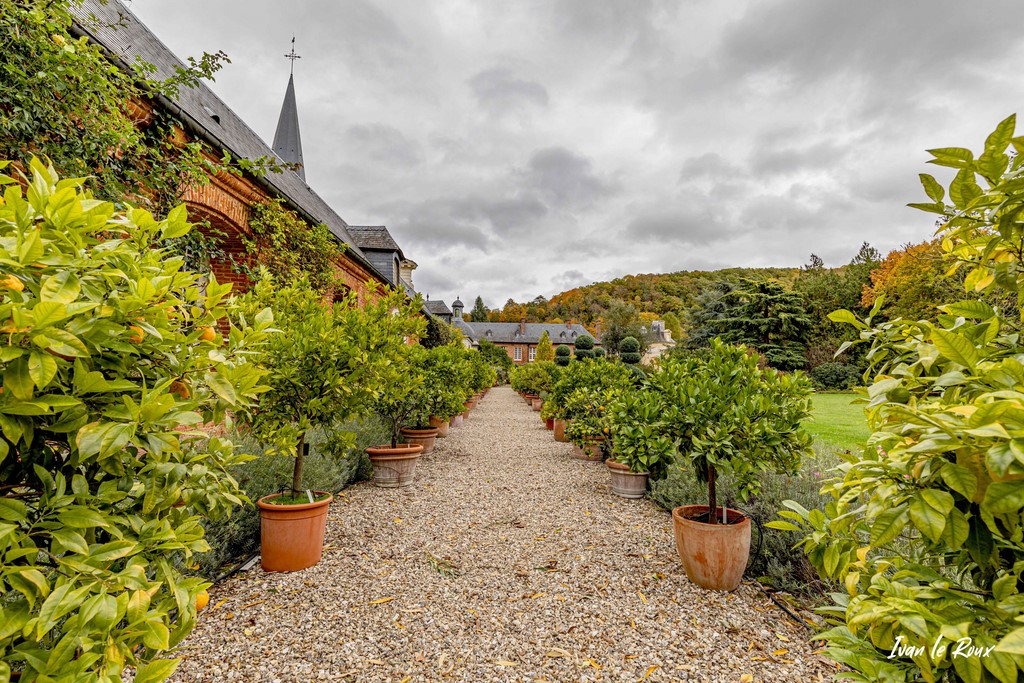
point(522, 326)
point(568, 324)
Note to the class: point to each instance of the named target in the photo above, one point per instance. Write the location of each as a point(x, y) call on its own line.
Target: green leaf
point(845, 316)
point(1004, 497)
point(42, 367)
point(79, 517)
point(782, 526)
point(888, 525)
point(60, 342)
point(156, 671)
point(978, 310)
point(47, 313)
point(62, 288)
point(156, 636)
point(955, 347)
point(103, 438)
point(17, 379)
point(926, 518)
point(221, 387)
point(1012, 643)
point(960, 479)
point(999, 139)
point(932, 187)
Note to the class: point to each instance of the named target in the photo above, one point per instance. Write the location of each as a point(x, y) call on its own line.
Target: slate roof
point(374, 237)
point(128, 39)
point(509, 333)
point(437, 307)
point(287, 141)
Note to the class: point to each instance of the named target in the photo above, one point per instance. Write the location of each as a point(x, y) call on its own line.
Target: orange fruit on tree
point(208, 335)
point(180, 389)
point(202, 600)
point(11, 282)
point(137, 334)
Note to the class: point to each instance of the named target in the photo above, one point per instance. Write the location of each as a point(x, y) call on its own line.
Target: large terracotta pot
point(625, 483)
point(537, 404)
point(441, 425)
point(590, 451)
point(393, 467)
point(549, 423)
point(529, 398)
point(465, 413)
point(456, 420)
point(292, 536)
point(560, 431)
point(424, 437)
point(714, 555)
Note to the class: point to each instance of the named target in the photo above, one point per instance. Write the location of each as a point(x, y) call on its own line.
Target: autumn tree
point(622, 320)
point(912, 281)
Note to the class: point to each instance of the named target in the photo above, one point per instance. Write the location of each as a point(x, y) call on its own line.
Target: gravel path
point(507, 560)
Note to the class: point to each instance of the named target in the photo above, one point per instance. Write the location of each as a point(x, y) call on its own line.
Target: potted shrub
point(328, 365)
point(548, 412)
point(445, 375)
point(641, 446)
point(589, 430)
point(730, 418)
point(593, 375)
point(394, 463)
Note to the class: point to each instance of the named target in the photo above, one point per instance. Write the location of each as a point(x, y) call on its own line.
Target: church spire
point(287, 143)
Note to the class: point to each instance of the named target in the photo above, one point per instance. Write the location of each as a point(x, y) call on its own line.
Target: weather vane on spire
point(292, 56)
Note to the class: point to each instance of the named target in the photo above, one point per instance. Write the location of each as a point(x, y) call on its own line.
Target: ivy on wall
point(288, 247)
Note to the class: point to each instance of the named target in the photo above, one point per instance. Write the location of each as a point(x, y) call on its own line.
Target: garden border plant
point(111, 360)
point(924, 529)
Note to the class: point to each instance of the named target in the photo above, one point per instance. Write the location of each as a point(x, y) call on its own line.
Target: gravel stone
point(506, 560)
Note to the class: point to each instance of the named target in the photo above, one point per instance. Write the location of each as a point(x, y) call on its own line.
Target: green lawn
point(837, 423)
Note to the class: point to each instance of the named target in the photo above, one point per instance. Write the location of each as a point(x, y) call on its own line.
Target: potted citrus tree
point(446, 376)
point(327, 365)
point(641, 446)
point(730, 418)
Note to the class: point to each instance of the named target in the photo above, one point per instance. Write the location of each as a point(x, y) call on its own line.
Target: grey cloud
point(709, 166)
point(499, 91)
point(383, 143)
point(690, 224)
point(565, 178)
point(773, 159)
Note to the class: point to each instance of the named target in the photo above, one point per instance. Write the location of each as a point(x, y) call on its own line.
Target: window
point(533, 353)
point(517, 354)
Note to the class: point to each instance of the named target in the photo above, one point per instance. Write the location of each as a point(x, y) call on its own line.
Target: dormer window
point(488, 334)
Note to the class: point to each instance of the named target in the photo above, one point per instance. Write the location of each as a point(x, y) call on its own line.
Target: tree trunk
point(712, 495)
point(297, 472)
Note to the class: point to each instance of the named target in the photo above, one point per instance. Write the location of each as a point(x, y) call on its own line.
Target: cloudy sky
point(524, 147)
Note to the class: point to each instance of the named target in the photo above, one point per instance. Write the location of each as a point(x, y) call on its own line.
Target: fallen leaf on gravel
point(557, 652)
point(247, 631)
point(378, 662)
point(505, 662)
point(381, 601)
point(406, 679)
point(746, 678)
point(782, 637)
point(592, 663)
point(781, 651)
point(398, 520)
point(219, 604)
point(650, 670)
point(252, 603)
point(643, 598)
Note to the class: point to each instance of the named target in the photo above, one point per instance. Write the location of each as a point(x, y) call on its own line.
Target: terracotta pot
point(625, 483)
point(456, 421)
point(549, 423)
point(424, 437)
point(441, 425)
point(714, 555)
point(529, 398)
point(292, 536)
point(537, 404)
point(560, 431)
point(393, 467)
point(590, 451)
